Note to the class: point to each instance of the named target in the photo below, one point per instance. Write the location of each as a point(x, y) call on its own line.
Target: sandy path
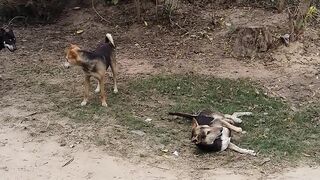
point(22, 157)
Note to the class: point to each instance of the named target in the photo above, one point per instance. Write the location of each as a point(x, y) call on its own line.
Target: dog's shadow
point(200, 153)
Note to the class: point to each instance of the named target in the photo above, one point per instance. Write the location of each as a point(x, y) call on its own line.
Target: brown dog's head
point(72, 55)
point(204, 134)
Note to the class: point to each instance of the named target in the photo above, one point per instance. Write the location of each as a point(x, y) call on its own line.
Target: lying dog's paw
point(66, 64)
point(115, 90)
point(239, 130)
point(104, 104)
point(244, 132)
point(83, 103)
point(236, 120)
point(251, 152)
point(97, 90)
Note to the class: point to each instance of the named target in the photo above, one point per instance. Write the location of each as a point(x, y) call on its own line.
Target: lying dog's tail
point(109, 39)
point(189, 116)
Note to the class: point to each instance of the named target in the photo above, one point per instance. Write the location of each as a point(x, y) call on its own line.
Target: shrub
point(44, 11)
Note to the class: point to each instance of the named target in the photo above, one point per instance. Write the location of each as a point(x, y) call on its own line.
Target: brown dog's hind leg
point(97, 90)
point(86, 90)
point(102, 92)
point(114, 72)
point(240, 150)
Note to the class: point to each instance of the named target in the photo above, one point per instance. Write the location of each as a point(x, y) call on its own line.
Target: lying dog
point(94, 64)
point(211, 131)
point(7, 39)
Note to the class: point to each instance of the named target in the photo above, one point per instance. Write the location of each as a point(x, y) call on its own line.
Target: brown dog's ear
point(194, 123)
point(73, 54)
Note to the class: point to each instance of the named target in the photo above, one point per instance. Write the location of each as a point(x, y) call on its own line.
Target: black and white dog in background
point(7, 39)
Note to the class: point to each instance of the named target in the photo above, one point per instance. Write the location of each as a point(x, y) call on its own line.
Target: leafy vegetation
point(38, 10)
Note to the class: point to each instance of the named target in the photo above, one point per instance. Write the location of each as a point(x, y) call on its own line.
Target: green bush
point(44, 11)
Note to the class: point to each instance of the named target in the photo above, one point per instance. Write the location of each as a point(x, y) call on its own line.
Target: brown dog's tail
point(189, 116)
point(109, 39)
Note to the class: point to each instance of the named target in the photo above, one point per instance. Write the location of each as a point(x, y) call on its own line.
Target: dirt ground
point(36, 141)
point(23, 157)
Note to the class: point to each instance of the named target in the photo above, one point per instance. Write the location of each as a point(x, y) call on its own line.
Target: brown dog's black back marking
point(102, 52)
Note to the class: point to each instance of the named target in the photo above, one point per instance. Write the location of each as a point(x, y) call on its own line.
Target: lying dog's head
point(8, 40)
point(204, 134)
point(72, 55)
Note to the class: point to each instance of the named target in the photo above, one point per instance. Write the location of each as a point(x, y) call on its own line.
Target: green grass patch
point(274, 129)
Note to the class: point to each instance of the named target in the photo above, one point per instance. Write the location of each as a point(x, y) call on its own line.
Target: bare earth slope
point(35, 142)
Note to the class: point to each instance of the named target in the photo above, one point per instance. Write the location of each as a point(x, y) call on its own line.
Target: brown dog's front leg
point(86, 91)
point(102, 93)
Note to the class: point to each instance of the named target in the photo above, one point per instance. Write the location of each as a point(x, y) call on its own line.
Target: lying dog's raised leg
point(240, 150)
point(229, 120)
point(86, 90)
point(114, 72)
point(230, 126)
point(238, 114)
point(102, 93)
point(235, 116)
point(97, 90)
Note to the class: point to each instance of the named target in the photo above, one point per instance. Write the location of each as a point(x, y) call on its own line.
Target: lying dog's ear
point(74, 47)
point(73, 54)
point(194, 123)
point(66, 50)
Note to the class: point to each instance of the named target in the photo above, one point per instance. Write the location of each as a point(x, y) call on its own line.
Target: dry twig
point(67, 163)
point(98, 12)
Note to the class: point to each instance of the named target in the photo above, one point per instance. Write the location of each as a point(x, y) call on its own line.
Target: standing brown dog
point(94, 64)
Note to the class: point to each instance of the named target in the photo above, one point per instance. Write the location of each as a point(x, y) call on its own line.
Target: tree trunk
point(248, 41)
